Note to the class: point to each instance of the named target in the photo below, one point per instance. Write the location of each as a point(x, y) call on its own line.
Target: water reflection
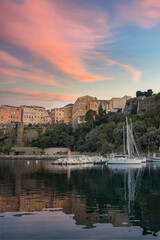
point(123, 196)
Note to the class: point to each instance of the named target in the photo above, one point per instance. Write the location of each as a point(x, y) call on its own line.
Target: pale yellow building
point(83, 105)
point(33, 115)
point(95, 103)
point(118, 104)
point(68, 113)
point(57, 115)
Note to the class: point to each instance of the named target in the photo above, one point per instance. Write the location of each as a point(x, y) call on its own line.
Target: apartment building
point(85, 103)
point(82, 105)
point(48, 119)
point(10, 114)
point(57, 115)
point(95, 103)
point(33, 115)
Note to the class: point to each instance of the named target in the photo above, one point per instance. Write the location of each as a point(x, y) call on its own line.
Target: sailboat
point(129, 149)
point(154, 158)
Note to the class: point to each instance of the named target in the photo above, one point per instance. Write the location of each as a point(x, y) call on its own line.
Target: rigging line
point(137, 139)
point(133, 141)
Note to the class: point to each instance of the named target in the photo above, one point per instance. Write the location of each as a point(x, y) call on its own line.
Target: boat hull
point(155, 159)
point(124, 161)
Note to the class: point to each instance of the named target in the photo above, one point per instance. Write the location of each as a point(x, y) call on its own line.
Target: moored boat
point(130, 147)
point(124, 160)
point(155, 158)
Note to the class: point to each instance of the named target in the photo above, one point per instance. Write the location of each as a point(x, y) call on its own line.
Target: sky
point(54, 51)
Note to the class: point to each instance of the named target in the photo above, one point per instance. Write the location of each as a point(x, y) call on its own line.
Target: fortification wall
point(147, 104)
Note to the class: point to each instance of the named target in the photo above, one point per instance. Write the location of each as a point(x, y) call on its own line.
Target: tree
point(90, 117)
point(134, 109)
point(101, 117)
point(105, 147)
point(149, 93)
point(92, 140)
point(157, 116)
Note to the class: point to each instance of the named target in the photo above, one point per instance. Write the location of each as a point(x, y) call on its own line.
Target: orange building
point(10, 114)
point(57, 115)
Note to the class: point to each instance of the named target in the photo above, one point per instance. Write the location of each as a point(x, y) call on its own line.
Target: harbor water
point(39, 200)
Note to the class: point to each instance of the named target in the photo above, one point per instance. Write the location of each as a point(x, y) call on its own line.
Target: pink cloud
point(145, 13)
point(135, 73)
point(11, 67)
point(93, 78)
point(59, 34)
point(6, 58)
point(38, 95)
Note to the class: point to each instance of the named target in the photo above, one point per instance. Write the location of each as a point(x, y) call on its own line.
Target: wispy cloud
point(60, 35)
point(40, 77)
point(144, 13)
point(7, 59)
point(38, 95)
point(135, 73)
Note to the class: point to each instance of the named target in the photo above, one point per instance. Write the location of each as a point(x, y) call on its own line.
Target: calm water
point(42, 201)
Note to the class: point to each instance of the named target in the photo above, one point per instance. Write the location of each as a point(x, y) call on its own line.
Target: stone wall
point(18, 135)
point(8, 134)
point(147, 104)
point(51, 151)
point(30, 134)
point(26, 151)
point(131, 103)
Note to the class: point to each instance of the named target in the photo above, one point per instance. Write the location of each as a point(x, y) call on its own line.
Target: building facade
point(68, 113)
point(10, 114)
point(33, 115)
point(57, 115)
point(48, 119)
point(83, 105)
point(118, 104)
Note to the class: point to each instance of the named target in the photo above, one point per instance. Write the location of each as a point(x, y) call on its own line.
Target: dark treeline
point(147, 93)
point(103, 132)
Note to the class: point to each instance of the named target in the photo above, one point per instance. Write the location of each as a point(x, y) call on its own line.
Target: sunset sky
point(53, 51)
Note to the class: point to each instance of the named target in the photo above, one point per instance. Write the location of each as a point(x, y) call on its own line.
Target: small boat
point(125, 159)
point(154, 158)
point(130, 147)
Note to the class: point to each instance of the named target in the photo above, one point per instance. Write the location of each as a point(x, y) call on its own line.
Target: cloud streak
point(62, 36)
point(63, 44)
point(109, 62)
point(12, 69)
point(38, 95)
point(144, 13)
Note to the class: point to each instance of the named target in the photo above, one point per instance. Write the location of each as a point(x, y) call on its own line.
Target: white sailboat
point(128, 158)
point(155, 158)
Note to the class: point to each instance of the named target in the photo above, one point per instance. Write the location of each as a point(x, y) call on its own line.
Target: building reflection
point(92, 194)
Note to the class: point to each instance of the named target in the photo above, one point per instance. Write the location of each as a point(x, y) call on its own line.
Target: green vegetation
point(147, 93)
point(58, 136)
point(103, 132)
point(4, 149)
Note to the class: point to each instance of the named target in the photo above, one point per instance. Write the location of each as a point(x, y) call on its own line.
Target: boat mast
point(133, 139)
point(128, 141)
point(124, 144)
